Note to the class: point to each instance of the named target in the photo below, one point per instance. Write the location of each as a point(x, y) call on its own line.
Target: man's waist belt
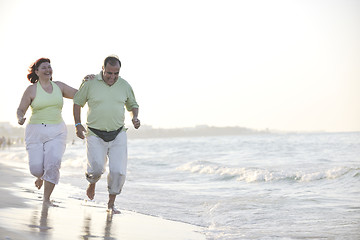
point(104, 135)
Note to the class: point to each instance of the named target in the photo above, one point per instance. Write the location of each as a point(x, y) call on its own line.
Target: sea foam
point(253, 174)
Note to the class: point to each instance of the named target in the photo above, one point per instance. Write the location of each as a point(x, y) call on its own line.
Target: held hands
point(80, 130)
point(136, 123)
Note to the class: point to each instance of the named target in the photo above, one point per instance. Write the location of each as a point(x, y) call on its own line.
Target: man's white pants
point(45, 144)
point(98, 152)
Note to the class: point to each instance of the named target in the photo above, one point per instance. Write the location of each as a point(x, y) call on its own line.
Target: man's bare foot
point(39, 183)
point(113, 210)
point(90, 192)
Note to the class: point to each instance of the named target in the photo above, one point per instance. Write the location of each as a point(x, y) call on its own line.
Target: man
point(107, 96)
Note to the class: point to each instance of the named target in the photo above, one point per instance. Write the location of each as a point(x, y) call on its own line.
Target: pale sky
point(283, 65)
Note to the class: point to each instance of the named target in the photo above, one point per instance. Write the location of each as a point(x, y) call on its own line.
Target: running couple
point(107, 96)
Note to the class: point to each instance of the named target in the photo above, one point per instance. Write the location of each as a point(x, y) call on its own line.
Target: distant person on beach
point(2, 142)
point(107, 96)
point(45, 134)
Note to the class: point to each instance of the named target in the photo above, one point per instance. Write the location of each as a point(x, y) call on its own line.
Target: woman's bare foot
point(39, 183)
point(90, 192)
point(49, 203)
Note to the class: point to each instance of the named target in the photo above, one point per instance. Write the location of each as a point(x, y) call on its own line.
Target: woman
point(45, 134)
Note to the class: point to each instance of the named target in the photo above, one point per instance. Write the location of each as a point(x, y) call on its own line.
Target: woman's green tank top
point(46, 107)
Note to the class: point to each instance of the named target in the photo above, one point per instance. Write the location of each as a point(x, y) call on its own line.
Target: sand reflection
point(89, 231)
point(39, 221)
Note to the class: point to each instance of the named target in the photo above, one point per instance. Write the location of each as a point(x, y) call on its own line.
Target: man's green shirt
point(106, 104)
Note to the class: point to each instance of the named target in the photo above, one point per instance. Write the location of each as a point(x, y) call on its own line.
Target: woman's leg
point(48, 189)
point(54, 149)
point(35, 150)
point(39, 183)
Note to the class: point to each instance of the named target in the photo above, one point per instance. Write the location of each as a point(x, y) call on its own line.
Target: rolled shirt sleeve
point(80, 97)
point(131, 101)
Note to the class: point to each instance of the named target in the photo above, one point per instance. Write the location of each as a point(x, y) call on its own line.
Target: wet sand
point(23, 216)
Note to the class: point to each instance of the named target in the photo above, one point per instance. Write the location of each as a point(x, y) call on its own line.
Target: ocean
point(261, 186)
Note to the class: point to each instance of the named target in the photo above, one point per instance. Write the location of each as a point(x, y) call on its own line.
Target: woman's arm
point(67, 91)
point(25, 102)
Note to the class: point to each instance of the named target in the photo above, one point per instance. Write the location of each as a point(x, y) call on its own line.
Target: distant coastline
point(198, 131)
point(17, 133)
point(146, 131)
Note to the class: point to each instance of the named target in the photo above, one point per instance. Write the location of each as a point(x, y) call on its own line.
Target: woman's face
point(44, 71)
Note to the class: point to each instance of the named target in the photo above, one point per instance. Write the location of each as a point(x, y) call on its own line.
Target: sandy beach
point(23, 216)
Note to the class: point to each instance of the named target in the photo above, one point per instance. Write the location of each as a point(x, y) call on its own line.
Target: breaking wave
point(253, 174)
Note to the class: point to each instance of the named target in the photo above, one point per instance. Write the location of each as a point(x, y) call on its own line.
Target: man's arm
point(77, 117)
point(135, 120)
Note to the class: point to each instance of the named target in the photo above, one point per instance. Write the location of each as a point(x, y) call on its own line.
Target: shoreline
point(9, 200)
point(24, 217)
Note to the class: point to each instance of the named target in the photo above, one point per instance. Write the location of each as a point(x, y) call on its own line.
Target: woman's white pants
point(45, 144)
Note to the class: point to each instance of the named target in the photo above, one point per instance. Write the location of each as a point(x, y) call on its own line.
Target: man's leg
point(111, 204)
point(96, 162)
point(117, 168)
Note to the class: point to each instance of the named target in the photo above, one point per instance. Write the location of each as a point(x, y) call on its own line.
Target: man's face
point(111, 73)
